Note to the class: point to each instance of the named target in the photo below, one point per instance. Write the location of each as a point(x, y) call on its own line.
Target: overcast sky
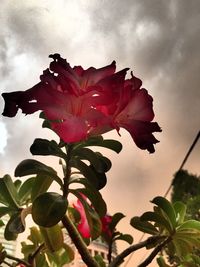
point(158, 39)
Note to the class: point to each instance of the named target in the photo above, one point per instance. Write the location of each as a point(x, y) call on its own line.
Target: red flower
point(80, 103)
point(83, 226)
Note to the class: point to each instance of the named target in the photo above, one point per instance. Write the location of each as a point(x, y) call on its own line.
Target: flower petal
point(141, 133)
point(72, 129)
point(83, 226)
point(139, 107)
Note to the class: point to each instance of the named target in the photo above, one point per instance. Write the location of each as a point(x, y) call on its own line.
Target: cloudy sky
point(158, 39)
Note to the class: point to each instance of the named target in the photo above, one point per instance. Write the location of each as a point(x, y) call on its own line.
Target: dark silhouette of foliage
point(185, 186)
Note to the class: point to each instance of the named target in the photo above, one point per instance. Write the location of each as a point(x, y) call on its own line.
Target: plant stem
point(119, 259)
point(32, 257)
point(68, 171)
point(155, 252)
point(79, 243)
point(70, 227)
point(110, 252)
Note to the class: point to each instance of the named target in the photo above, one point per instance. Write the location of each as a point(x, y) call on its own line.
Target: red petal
point(141, 133)
point(139, 107)
point(73, 129)
point(83, 226)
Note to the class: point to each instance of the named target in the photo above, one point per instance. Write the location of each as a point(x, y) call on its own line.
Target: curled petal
point(141, 132)
point(24, 100)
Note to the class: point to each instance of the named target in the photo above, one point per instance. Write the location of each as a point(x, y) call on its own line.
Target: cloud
point(158, 39)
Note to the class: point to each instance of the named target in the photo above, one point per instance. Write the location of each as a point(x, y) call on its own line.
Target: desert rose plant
point(80, 106)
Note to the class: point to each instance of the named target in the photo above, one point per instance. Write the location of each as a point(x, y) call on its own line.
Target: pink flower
point(81, 103)
point(83, 226)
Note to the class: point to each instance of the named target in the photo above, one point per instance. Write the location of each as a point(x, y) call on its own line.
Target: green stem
point(79, 243)
point(68, 170)
point(33, 256)
point(109, 257)
point(70, 227)
point(157, 249)
point(120, 258)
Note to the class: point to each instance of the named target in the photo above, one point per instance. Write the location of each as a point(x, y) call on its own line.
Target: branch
point(79, 243)
point(109, 257)
point(33, 256)
point(68, 171)
point(155, 252)
point(119, 259)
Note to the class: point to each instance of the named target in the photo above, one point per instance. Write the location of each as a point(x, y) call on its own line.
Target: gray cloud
point(159, 40)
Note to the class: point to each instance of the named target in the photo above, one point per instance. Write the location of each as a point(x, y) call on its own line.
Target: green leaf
point(5, 210)
point(192, 238)
point(167, 208)
point(99, 260)
point(143, 226)
point(41, 184)
point(43, 260)
point(112, 144)
point(31, 166)
point(101, 178)
point(25, 190)
point(125, 237)
point(53, 237)
point(8, 192)
point(27, 249)
point(99, 141)
point(17, 184)
point(92, 141)
point(35, 236)
point(182, 247)
point(158, 219)
point(49, 209)
point(116, 218)
point(14, 227)
point(96, 200)
point(161, 262)
point(63, 256)
point(87, 154)
point(92, 219)
point(180, 210)
point(15, 224)
point(87, 172)
point(105, 161)
point(92, 194)
point(45, 147)
point(190, 224)
point(68, 254)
